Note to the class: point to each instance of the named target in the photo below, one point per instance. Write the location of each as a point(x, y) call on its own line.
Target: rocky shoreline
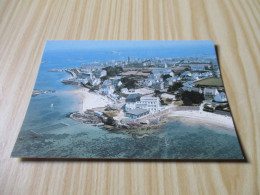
point(109, 123)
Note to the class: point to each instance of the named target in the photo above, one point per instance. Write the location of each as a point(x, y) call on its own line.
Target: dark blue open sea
point(47, 133)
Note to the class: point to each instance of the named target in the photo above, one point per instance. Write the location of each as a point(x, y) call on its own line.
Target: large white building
point(149, 103)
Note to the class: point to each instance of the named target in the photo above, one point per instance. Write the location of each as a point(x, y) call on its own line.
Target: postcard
point(132, 100)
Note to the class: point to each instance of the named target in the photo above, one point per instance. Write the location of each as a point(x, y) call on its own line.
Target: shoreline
point(203, 118)
point(89, 100)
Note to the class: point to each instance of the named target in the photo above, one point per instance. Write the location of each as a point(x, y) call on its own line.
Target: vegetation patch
point(191, 98)
point(213, 82)
point(166, 101)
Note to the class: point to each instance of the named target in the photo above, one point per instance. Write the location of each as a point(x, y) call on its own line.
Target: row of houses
point(193, 76)
point(91, 74)
point(209, 93)
point(109, 86)
point(156, 81)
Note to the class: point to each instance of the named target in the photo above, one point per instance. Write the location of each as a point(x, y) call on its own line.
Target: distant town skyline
point(90, 51)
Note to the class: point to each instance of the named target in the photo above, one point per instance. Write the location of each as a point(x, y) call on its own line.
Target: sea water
point(48, 133)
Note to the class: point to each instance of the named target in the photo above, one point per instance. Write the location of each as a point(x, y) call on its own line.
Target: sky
point(87, 45)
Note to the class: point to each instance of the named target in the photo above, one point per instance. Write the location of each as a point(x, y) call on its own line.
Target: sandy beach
point(201, 117)
point(90, 100)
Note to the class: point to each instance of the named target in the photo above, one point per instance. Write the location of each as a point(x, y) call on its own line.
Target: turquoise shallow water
point(47, 133)
point(44, 134)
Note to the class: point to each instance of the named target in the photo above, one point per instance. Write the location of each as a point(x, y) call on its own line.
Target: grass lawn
point(167, 101)
point(216, 82)
point(178, 103)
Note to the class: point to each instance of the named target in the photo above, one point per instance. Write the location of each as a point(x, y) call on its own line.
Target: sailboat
point(166, 142)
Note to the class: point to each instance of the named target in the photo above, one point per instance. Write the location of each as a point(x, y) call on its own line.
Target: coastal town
point(144, 92)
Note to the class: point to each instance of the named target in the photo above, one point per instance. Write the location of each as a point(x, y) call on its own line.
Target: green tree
point(175, 87)
point(110, 121)
point(104, 78)
point(192, 97)
point(166, 76)
point(113, 70)
point(162, 102)
point(129, 83)
point(157, 92)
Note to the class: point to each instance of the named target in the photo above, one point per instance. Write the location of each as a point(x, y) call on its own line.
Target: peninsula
point(141, 93)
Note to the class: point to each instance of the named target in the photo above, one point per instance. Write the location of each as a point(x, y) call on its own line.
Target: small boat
point(166, 142)
point(51, 105)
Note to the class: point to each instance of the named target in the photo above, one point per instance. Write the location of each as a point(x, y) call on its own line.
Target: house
point(107, 82)
point(221, 97)
point(206, 74)
point(114, 96)
point(131, 101)
point(170, 81)
point(167, 71)
point(117, 83)
point(197, 67)
point(137, 113)
point(155, 76)
point(195, 76)
point(187, 77)
point(94, 82)
point(177, 78)
point(194, 89)
point(186, 74)
point(98, 113)
point(189, 84)
point(148, 83)
point(158, 86)
point(149, 103)
point(107, 89)
point(210, 92)
point(131, 90)
point(217, 72)
point(100, 73)
point(157, 73)
point(124, 90)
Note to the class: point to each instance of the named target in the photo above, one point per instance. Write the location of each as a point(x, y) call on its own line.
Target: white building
point(206, 74)
point(186, 73)
point(210, 92)
point(221, 97)
point(190, 89)
point(148, 83)
point(158, 85)
point(189, 84)
point(94, 82)
point(170, 81)
point(124, 90)
point(100, 73)
point(149, 103)
point(197, 67)
point(107, 89)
